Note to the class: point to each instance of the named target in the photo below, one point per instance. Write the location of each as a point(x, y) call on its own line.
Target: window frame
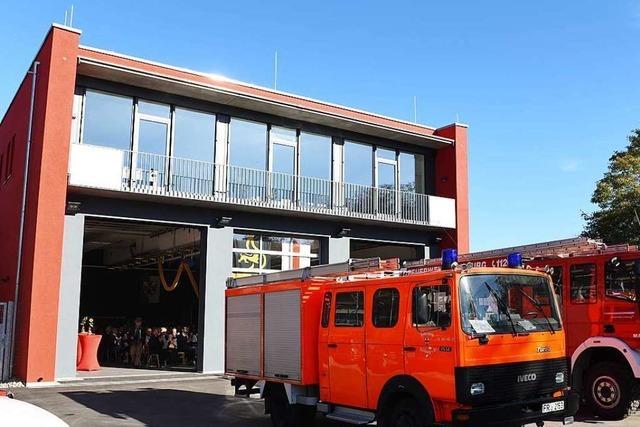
point(431, 287)
point(609, 269)
point(325, 316)
point(575, 301)
point(395, 308)
point(359, 321)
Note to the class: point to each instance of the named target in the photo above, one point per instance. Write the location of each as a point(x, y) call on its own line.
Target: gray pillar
point(339, 249)
point(216, 258)
point(69, 299)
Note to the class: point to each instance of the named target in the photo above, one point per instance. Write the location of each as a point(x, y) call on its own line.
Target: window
point(583, 283)
point(315, 170)
point(358, 163)
point(261, 253)
point(411, 172)
point(247, 144)
point(326, 309)
point(620, 279)
point(10, 150)
point(385, 308)
point(432, 306)
point(349, 309)
point(1, 163)
point(107, 120)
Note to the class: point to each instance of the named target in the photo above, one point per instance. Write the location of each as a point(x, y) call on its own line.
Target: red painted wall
point(452, 180)
point(47, 187)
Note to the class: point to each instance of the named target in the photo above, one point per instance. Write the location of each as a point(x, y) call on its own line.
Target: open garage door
point(140, 291)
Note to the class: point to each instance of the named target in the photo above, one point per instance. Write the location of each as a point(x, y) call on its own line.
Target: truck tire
point(408, 413)
point(285, 414)
point(608, 390)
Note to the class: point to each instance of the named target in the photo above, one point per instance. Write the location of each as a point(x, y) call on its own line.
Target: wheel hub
point(606, 392)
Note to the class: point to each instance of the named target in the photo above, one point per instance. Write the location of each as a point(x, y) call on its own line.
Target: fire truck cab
point(598, 290)
point(460, 346)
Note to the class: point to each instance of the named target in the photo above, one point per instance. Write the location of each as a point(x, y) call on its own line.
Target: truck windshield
point(507, 303)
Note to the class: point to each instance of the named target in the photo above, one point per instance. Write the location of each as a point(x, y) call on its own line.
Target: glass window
point(507, 304)
point(194, 135)
point(107, 120)
point(358, 163)
point(315, 155)
point(384, 153)
point(261, 253)
point(432, 306)
point(349, 309)
point(556, 279)
point(411, 172)
point(326, 309)
point(247, 144)
point(10, 150)
point(280, 135)
point(583, 283)
point(620, 278)
point(386, 303)
point(154, 109)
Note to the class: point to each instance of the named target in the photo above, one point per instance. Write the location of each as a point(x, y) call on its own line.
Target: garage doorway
point(140, 291)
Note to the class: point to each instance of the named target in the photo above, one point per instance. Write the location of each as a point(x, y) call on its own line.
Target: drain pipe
point(34, 77)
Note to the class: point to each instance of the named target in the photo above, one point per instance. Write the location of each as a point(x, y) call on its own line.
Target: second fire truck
point(598, 288)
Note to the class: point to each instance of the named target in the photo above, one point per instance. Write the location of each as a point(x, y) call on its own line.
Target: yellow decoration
point(174, 284)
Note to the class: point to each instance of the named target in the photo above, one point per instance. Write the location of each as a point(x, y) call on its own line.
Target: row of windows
point(620, 277)
point(6, 161)
point(128, 123)
point(431, 307)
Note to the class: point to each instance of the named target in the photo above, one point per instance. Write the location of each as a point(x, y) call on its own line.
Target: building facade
point(112, 167)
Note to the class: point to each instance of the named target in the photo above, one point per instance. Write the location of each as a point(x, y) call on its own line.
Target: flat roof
point(116, 67)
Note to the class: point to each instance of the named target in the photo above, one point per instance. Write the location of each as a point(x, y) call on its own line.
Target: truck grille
point(512, 381)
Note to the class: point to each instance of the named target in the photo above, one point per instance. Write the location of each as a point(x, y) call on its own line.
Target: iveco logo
point(545, 349)
point(526, 378)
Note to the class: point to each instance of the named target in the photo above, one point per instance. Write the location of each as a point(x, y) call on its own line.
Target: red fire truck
point(365, 341)
point(598, 288)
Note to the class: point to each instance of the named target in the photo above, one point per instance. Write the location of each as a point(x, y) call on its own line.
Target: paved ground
point(174, 402)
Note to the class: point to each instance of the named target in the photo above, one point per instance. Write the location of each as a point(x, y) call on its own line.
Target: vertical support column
point(339, 249)
point(337, 172)
point(216, 258)
point(69, 302)
point(452, 180)
point(221, 154)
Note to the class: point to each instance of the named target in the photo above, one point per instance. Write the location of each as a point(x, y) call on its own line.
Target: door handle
point(332, 345)
point(409, 349)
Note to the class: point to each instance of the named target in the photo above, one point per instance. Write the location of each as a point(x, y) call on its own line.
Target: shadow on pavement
point(167, 407)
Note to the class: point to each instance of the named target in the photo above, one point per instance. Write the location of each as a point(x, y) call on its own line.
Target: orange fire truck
point(598, 288)
point(364, 340)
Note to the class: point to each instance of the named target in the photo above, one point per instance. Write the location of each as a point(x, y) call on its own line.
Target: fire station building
point(130, 188)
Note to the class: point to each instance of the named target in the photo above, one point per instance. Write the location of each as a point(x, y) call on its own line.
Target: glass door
point(386, 182)
point(283, 155)
point(151, 145)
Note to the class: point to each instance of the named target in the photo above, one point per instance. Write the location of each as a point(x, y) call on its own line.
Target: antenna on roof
point(457, 118)
point(68, 17)
point(275, 72)
point(71, 17)
point(415, 109)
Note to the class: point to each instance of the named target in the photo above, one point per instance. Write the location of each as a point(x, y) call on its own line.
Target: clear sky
point(549, 88)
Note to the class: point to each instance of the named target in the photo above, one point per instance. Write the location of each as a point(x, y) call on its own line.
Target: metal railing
point(177, 177)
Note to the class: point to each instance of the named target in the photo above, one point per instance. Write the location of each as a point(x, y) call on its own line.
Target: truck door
point(583, 308)
point(347, 370)
point(429, 339)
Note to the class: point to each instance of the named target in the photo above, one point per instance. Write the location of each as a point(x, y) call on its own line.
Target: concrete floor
point(175, 402)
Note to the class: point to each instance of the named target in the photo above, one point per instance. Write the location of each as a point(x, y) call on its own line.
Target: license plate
point(553, 406)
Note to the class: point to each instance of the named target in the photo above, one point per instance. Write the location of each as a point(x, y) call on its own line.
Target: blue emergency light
point(514, 260)
point(449, 258)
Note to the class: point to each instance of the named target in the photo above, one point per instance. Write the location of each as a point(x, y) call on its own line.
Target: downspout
point(34, 74)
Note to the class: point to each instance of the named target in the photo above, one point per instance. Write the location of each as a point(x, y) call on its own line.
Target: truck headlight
point(560, 377)
point(477, 389)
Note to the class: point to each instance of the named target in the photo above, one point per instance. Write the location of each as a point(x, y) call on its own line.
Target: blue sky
point(548, 88)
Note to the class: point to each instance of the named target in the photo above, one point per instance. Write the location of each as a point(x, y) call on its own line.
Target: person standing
point(137, 343)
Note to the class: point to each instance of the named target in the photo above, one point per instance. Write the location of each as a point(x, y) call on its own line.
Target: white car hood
point(18, 413)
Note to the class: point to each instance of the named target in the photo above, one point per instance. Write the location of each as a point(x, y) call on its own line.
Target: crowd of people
point(139, 346)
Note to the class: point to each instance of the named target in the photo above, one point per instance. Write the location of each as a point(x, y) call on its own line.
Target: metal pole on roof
point(275, 73)
point(71, 17)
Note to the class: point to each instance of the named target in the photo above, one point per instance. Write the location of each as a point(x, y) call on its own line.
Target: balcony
point(145, 173)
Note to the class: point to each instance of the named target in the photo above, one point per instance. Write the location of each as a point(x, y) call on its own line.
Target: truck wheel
point(284, 414)
point(608, 390)
point(407, 413)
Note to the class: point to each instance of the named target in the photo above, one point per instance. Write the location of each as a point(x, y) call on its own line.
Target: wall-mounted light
point(73, 207)
point(223, 221)
point(342, 232)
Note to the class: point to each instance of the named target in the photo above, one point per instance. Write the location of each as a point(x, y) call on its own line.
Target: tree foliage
point(617, 195)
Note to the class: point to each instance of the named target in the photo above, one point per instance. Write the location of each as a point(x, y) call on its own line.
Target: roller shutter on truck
point(243, 324)
point(282, 335)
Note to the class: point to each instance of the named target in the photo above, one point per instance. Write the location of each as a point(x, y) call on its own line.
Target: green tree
point(617, 195)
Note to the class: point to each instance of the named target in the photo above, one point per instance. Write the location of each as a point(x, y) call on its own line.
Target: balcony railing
point(100, 167)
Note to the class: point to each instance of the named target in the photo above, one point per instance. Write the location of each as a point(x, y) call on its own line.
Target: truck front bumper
point(515, 413)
